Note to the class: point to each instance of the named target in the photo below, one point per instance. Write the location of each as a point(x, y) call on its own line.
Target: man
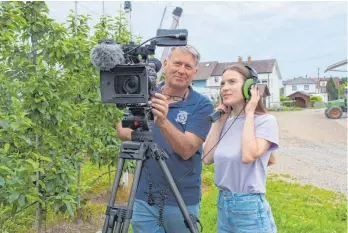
point(180, 129)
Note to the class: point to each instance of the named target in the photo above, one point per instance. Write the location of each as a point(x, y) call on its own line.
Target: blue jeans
point(244, 213)
point(145, 218)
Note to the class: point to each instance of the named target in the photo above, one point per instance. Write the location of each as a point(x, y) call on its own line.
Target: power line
point(311, 58)
point(94, 13)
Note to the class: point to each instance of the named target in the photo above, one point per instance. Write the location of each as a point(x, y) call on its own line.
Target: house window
point(306, 87)
point(294, 88)
point(216, 79)
point(264, 81)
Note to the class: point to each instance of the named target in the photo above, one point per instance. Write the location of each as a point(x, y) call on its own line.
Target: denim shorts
point(145, 218)
point(244, 213)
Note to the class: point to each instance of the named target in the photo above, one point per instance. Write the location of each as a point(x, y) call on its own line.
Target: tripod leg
point(133, 191)
point(177, 196)
point(108, 227)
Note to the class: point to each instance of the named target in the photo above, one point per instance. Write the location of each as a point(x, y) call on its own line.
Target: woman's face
point(231, 88)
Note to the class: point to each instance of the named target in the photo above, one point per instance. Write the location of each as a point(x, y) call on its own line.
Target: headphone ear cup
point(246, 88)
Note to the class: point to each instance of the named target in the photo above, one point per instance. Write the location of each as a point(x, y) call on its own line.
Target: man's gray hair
point(187, 49)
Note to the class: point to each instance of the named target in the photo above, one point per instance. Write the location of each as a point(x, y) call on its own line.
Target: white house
point(299, 84)
point(310, 86)
point(209, 77)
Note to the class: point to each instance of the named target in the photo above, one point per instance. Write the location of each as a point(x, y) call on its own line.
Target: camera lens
point(131, 84)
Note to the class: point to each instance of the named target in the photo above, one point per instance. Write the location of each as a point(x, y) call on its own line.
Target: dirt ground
point(313, 148)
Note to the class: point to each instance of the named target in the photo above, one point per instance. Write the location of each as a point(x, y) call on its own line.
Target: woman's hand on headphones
point(254, 100)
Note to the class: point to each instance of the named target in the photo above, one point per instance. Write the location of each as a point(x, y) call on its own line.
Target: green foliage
point(284, 103)
point(283, 98)
point(343, 80)
point(208, 175)
point(163, 77)
point(51, 116)
point(285, 109)
point(293, 206)
point(342, 90)
point(332, 90)
point(314, 99)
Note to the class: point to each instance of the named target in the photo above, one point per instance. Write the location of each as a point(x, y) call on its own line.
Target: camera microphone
point(180, 36)
point(107, 54)
point(215, 116)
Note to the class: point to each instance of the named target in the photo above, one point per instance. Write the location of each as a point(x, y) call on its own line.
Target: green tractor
point(335, 108)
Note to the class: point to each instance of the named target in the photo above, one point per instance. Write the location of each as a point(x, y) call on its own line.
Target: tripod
point(137, 150)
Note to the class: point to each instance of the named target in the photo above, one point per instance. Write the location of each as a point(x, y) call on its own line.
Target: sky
point(302, 36)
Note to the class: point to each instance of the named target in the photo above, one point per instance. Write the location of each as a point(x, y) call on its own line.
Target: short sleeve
point(266, 127)
point(198, 123)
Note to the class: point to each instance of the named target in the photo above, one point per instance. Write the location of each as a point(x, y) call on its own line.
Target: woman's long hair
point(260, 108)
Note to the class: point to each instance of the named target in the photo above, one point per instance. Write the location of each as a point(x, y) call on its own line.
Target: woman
point(246, 136)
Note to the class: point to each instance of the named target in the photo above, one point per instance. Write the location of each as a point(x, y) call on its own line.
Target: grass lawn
point(296, 208)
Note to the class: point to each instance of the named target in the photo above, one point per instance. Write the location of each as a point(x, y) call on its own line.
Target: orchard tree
point(51, 115)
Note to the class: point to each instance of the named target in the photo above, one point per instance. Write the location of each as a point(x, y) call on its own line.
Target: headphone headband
point(253, 73)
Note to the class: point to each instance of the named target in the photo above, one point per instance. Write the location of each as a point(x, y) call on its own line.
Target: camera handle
point(121, 215)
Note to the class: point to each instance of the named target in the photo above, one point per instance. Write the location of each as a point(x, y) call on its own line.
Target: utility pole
point(75, 17)
point(103, 9)
point(164, 13)
point(318, 83)
point(128, 11)
point(176, 17)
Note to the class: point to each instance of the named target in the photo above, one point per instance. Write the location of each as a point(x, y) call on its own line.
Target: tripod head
point(140, 119)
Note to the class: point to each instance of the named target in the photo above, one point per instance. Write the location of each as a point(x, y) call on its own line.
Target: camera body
point(128, 76)
point(128, 84)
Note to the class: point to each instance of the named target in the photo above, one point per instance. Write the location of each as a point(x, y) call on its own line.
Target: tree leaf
point(7, 147)
point(26, 139)
point(21, 200)
point(69, 208)
point(13, 197)
point(2, 181)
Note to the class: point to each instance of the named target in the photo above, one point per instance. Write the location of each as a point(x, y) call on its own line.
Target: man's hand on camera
point(159, 108)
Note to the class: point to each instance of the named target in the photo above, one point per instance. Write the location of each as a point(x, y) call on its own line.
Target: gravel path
point(313, 149)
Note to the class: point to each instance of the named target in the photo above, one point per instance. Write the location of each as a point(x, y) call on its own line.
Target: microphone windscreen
point(155, 63)
point(107, 56)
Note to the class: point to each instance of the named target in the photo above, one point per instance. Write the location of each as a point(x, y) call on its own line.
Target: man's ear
point(165, 64)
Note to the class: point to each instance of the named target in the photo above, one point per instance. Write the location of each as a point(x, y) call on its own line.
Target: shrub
point(314, 99)
point(282, 98)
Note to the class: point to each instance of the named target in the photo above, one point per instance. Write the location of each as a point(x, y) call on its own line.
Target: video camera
point(128, 74)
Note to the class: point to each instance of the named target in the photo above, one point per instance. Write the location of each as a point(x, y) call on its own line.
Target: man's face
point(180, 69)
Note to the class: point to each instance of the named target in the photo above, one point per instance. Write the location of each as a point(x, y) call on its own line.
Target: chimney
point(249, 60)
point(240, 60)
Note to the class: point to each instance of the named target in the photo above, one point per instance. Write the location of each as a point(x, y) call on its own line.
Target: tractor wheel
point(335, 112)
point(327, 113)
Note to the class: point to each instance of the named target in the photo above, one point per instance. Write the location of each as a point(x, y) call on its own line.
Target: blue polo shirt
point(187, 116)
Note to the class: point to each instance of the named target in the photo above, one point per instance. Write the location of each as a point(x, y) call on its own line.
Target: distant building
point(209, 74)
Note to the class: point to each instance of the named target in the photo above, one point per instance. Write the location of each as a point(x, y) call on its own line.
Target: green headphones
point(252, 80)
